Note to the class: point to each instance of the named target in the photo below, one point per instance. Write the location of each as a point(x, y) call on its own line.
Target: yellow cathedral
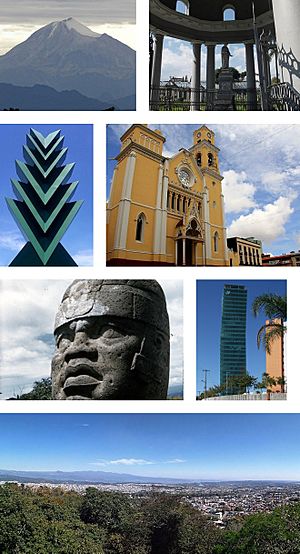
point(166, 211)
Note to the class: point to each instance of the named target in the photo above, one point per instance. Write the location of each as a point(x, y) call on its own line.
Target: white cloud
point(177, 59)
point(174, 296)
point(273, 181)
point(238, 193)
point(26, 325)
point(12, 241)
point(135, 461)
point(84, 257)
point(123, 461)
point(266, 223)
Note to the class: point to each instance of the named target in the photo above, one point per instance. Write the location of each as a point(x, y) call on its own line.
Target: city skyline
point(192, 446)
point(78, 240)
point(209, 312)
point(22, 19)
point(260, 166)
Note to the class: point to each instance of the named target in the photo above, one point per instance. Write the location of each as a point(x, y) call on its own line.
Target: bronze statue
point(112, 341)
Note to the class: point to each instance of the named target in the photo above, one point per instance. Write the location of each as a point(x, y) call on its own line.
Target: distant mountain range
point(84, 477)
point(68, 57)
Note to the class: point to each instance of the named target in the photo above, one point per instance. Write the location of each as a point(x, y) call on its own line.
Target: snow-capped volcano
point(67, 55)
point(72, 24)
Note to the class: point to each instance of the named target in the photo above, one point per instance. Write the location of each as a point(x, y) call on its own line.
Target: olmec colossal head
point(112, 341)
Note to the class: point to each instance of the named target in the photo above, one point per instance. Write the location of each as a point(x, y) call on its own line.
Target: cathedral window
point(210, 159)
point(173, 201)
point(199, 159)
point(140, 227)
point(216, 241)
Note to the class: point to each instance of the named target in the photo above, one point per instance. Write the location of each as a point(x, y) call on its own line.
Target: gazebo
point(268, 27)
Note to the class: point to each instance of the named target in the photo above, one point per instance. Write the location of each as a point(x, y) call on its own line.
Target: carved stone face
point(106, 357)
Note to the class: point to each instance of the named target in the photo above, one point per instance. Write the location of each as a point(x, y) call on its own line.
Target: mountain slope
point(84, 476)
point(67, 55)
point(23, 98)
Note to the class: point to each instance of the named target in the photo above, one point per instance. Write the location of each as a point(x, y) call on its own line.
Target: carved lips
point(81, 378)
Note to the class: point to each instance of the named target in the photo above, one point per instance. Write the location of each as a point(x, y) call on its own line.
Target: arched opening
point(229, 13)
point(199, 159)
point(140, 227)
point(210, 159)
point(183, 6)
point(216, 241)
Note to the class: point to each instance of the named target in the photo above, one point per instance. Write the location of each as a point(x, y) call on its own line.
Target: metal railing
point(172, 98)
point(283, 97)
point(248, 396)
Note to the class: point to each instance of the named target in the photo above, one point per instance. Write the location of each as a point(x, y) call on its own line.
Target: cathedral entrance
point(186, 252)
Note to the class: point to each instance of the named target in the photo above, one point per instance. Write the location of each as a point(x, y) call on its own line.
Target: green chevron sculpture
point(42, 209)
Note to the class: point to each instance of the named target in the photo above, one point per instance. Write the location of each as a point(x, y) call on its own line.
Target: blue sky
point(78, 239)
point(261, 169)
point(200, 446)
point(209, 315)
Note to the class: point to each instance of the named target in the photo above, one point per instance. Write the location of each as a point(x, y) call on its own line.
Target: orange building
point(275, 359)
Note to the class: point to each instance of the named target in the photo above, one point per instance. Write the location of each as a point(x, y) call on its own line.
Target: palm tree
point(275, 308)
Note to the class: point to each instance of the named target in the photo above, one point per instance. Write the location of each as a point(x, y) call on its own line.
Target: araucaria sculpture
point(43, 211)
point(112, 341)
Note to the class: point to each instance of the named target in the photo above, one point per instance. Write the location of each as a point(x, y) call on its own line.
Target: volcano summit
point(67, 56)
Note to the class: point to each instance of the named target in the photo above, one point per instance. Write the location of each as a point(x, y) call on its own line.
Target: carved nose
point(81, 348)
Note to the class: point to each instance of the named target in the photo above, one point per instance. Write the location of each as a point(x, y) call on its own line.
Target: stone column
point(210, 67)
point(156, 71)
point(210, 76)
point(287, 17)
point(183, 251)
point(251, 84)
point(196, 77)
point(176, 252)
point(124, 205)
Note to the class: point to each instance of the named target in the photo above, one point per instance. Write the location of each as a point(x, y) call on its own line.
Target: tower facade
point(233, 334)
point(275, 358)
point(166, 211)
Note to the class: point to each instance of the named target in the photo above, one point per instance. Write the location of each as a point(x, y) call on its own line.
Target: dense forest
point(55, 521)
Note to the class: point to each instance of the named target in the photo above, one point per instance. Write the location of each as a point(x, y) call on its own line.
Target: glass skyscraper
point(233, 335)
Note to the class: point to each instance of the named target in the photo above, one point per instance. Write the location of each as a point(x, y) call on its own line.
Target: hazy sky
point(19, 19)
point(199, 446)
point(28, 309)
point(261, 169)
point(78, 240)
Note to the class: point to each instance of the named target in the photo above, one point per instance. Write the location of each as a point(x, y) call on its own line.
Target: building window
point(210, 159)
point(183, 6)
point(173, 201)
point(140, 227)
point(216, 241)
point(199, 159)
point(229, 13)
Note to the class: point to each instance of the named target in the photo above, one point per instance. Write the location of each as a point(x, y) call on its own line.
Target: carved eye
point(112, 333)
point(63, 339)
